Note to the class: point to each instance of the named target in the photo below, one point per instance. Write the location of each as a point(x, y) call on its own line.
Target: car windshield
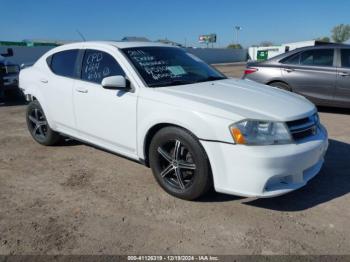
point(168, 66)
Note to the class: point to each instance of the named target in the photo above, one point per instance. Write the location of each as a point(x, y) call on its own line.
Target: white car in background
point(168, 109)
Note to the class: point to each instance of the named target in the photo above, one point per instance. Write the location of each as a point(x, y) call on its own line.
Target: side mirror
point(25, 65)
point(115, 82)
point(8, 53)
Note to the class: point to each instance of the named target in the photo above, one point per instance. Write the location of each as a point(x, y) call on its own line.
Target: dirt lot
point(75, 199)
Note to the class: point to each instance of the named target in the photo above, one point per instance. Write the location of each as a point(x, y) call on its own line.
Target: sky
point(178, 20)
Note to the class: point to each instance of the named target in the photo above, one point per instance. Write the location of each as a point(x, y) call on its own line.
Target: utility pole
point(237, 29)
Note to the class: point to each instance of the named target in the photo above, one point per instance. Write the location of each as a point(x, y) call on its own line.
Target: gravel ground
point(75, 199)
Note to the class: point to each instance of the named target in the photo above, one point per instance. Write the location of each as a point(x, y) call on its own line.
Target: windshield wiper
point(211, 78)
point(173, 82)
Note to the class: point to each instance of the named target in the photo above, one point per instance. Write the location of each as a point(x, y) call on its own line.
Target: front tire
point(39, 127)
point(179, 163)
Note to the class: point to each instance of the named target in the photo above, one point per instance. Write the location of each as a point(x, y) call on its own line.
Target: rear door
point(312, 73)
point(58, 88)
point(342, 95)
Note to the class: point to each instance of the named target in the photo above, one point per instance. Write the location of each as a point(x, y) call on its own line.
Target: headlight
point(316, 119)
point(256, 132)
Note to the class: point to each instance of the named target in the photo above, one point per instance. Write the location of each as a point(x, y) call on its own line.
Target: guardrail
point(28, 55)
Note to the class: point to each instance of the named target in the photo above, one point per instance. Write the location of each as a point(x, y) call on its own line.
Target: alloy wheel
point(177, 165)
point(38, 124)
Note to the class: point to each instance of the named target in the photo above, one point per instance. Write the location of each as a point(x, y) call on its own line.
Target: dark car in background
point(320, 73)
point(8, 75)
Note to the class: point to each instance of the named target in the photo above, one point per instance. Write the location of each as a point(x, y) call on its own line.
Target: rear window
point(63, 63)
point(318, 57)
point(345, 58)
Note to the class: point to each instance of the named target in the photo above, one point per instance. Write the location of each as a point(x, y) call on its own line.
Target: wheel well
point(278, 81)
point(150, 134)
point(30, 98)
point(149, 137)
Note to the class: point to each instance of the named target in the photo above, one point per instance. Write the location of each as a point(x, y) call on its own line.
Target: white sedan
point(166, 108)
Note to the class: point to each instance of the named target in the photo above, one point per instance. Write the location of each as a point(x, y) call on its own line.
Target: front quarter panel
point(152, 112)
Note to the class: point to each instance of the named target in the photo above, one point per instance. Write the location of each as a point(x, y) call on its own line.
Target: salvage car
point(166, 108)
point(8, 74)
point(320, 73)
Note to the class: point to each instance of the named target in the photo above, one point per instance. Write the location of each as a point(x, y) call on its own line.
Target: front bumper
point(9, 81)
point(266, 171)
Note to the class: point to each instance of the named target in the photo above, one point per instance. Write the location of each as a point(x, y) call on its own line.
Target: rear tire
point(281, 85)
point(39, 127)
point(179, 163)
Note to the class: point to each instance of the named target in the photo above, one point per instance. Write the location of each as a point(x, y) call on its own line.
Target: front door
point(104, 117)
point(314, 76)
point(342, 95)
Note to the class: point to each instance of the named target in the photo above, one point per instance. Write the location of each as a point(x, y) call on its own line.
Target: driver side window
point(98, 65)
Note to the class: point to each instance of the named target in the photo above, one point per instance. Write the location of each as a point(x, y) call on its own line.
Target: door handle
point(289, 70)
point(45, 81)
point(82, 90)
point(344, 74)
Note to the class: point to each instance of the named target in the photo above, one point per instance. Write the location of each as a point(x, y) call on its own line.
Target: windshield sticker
point(154, 67)
point(177, 70)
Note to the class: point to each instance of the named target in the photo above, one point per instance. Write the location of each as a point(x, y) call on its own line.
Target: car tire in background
point(39, 127)
point(179, 163)
point(15, 95)
point(281, 85)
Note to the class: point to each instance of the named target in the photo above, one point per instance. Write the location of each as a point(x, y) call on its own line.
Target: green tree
point(325, 39)
point(341, 33)
point(235, 46)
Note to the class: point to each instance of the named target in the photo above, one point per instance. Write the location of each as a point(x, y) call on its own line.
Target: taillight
point(250, 70)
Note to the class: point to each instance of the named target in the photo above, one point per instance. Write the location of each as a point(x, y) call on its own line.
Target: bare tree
point(235, 46)
point(341, 33)
point(266, 43)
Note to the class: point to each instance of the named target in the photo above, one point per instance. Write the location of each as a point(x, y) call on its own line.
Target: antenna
point(81, 35)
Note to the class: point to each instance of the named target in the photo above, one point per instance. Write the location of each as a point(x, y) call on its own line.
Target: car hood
point(5, 62)
point(230, 98)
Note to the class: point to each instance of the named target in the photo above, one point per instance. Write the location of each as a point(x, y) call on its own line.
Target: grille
point(12, 69)
point(303, 128)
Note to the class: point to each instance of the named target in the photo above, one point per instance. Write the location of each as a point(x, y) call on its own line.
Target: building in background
point(262, 53)
point(34, 42)
point(135, 39)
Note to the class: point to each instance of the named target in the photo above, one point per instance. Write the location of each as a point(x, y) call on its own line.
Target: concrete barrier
point(219, 55)
point(28, 55)
point(24, 54)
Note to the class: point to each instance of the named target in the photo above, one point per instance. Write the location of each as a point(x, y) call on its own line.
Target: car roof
point(278, 58)
point(118, 44)
point(95, 44)
point(322, 46)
